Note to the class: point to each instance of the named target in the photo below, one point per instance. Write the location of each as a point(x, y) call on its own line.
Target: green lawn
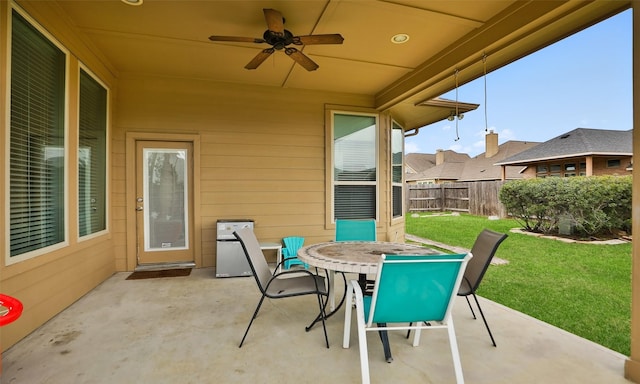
point(582, 288)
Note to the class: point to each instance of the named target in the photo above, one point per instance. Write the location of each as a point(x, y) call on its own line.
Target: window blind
point(397, 163)
point(354, 165)
point(36, 164)
point(92, 156)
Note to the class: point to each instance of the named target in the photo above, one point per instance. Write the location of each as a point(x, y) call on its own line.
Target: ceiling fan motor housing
point(278, 40)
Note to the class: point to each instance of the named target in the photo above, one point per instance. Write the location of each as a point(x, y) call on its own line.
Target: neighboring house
point(415, 163)
point(482, 168)
point(447, 168)
point(437, 168)
point(453, 166)
point(581, 152)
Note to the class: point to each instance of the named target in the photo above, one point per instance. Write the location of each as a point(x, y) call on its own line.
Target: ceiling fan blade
point(274, 19)
point(260, 58)
point(335, 38)
point(236, 39)
point(301, 59)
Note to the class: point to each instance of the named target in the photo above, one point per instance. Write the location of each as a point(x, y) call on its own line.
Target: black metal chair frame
point(482, 256)
point(318, 287)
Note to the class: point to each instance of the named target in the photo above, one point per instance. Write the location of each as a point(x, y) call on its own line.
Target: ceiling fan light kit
point(280, 39)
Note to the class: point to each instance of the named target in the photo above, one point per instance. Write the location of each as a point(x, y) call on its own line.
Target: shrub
point(595, 205)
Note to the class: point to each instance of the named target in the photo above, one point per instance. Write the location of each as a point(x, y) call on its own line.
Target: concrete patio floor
point(187, 330)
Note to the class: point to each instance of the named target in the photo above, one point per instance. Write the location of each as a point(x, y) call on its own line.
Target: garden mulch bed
point(613, 241)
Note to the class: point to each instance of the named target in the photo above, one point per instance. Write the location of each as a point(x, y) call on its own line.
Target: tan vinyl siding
point(49, 283)
point(259, 154)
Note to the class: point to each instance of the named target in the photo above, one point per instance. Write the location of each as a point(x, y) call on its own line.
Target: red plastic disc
point(14, 307)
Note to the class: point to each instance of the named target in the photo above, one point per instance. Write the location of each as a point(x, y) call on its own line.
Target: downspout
point(415, 132)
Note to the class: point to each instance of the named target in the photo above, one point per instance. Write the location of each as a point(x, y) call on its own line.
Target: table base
point(334, 310)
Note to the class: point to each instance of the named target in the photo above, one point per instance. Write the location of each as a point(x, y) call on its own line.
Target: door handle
point(139, 208)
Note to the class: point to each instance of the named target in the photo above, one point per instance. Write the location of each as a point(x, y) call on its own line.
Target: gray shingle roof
point(419, 162)
point(579, 142)
point(482, 168)
point(454, 157)
point(444, 171)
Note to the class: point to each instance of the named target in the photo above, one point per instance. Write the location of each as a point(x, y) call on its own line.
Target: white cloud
point(410, 147)
point(506, 134)
point(460, 148)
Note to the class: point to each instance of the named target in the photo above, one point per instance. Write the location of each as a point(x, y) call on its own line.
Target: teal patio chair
point(290, 252)
point(408, 290)
point(355, 230)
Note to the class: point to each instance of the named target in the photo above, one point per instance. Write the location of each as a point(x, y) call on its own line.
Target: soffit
point(170, 38)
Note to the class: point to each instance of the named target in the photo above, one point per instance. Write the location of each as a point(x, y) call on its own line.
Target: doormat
point(162, 273)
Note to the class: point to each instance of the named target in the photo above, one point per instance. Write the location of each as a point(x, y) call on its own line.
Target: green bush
point(595, 205)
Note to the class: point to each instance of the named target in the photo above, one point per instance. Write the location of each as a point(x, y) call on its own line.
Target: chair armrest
point(293, 272)
point(357, 290)
point(280, 264)
point(299, 272)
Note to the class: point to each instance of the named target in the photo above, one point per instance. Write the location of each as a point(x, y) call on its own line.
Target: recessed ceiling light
point(133, 2)
point(400, 38)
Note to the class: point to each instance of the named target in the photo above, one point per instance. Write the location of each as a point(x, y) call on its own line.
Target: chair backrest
point(355, 230)
point(483, 249)
point(292, 244)
point(413, 288)
point(254, 255)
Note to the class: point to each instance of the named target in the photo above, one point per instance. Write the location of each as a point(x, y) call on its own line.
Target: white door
point(164, 202)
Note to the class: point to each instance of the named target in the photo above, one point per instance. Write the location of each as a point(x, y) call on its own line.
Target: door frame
point(130, 194)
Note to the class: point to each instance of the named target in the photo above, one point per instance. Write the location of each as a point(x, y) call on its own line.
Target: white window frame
point(393, 184)
point(9, 260)
point(330, 156)
point(107, 159)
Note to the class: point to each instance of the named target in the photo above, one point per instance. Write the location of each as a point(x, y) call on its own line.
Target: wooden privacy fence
point(477, 198)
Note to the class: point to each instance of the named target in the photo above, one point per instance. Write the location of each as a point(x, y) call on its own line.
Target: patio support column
point(632, 365)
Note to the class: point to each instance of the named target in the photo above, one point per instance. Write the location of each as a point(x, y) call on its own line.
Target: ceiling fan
point(280, 39)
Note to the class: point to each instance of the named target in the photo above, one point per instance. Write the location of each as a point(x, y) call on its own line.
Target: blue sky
point(583, 81)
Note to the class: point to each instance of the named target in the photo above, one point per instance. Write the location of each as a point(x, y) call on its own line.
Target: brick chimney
point(439, 156)
point(491, 142)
